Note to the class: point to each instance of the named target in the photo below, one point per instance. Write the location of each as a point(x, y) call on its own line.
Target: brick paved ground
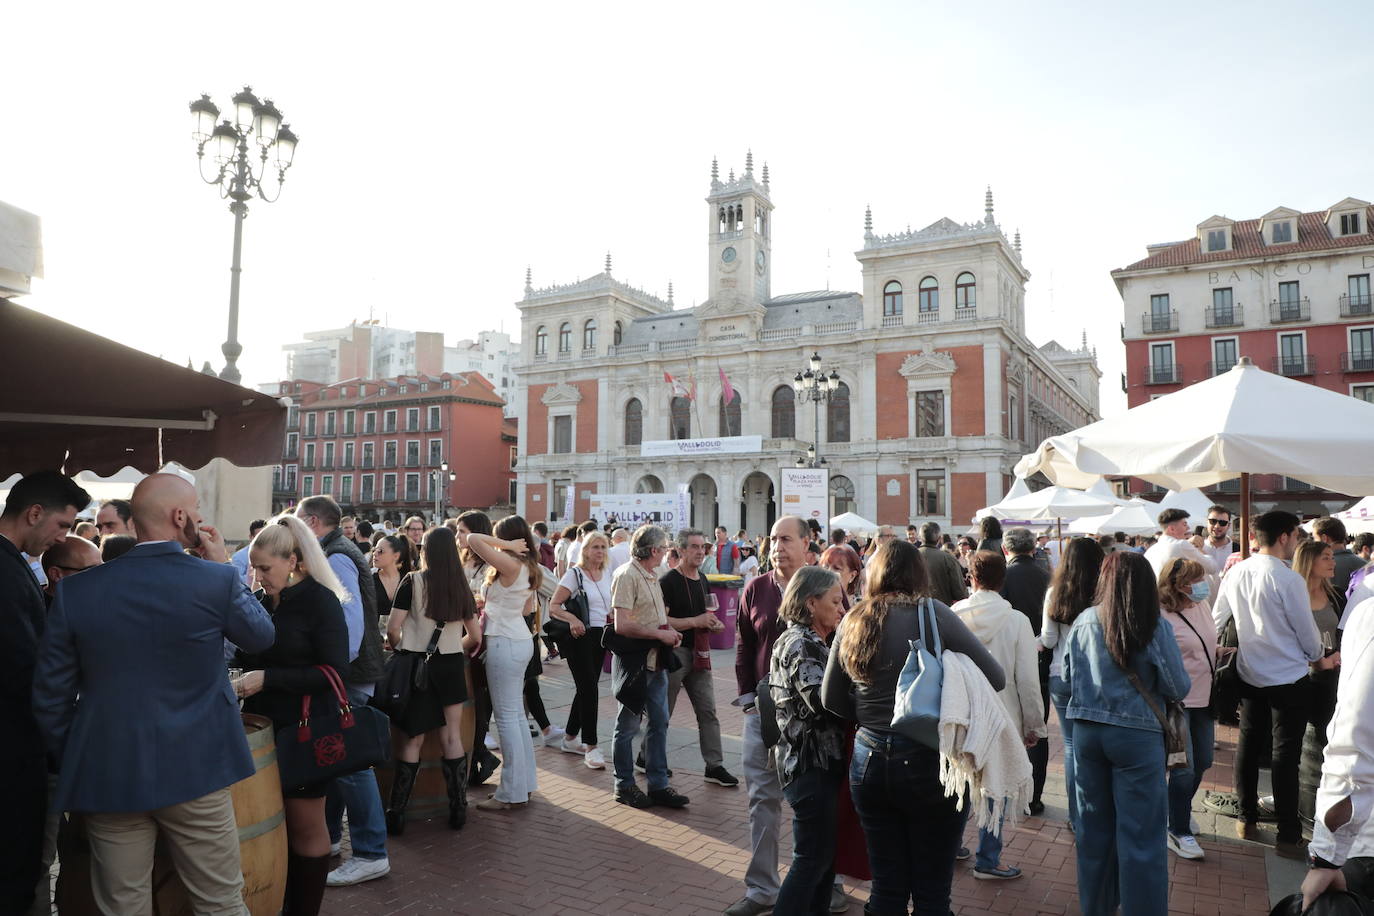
point(574, 851)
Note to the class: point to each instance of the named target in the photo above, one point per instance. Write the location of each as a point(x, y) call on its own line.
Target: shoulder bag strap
point(927, 607)
point(1211, 664)
point(434, 639)
point(1149, 700)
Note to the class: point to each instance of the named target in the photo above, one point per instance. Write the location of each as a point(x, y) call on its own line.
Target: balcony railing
point(1159, 323)
point(369, 463)
point(1357, 306)
point(412, 496)
point(365, 496)
point(1223, 317)
point(1216, 368)
point(308, 465)
point(329, 432)
point(930, 317)
point(327, 464)
point(389, 496)
point(541, 357)
point(1163, 375)
point(346, 465)
point(1359, 361)
point(1282, 311)
point(892, 321)
point(1295, 365)
point(308, 434)
point(389, 428)
point(967, 313)
point(292, 425)
point(412, 461)
point(389, 462)
point(433, 428)
point(292, 454)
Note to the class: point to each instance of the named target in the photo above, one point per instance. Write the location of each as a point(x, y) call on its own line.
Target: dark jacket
point(1025, 588)
point(22, 614)
point(310, 631)
point(366, 668)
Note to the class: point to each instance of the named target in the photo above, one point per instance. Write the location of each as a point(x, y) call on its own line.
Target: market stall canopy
point(1127, 519)
point(1245, 420)
point(853, 523)
point(1052, 502)
point(1103, 490)
point(1364, 509)
point(1194, 502)
point(21, 250)
point(80, 402)
point(1018, 488)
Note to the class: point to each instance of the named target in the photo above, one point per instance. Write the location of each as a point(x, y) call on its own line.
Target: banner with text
point(725, 445)
point(635, 509)
point(806, 492)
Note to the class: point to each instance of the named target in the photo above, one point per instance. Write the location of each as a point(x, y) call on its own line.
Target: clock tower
point(740, 229)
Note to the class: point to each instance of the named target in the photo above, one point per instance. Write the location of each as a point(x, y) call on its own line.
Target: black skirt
point(447, 687)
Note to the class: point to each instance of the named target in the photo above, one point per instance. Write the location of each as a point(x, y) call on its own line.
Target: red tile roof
point(1247, 242)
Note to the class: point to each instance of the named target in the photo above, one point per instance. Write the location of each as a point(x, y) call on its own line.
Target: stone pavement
point(574, 851)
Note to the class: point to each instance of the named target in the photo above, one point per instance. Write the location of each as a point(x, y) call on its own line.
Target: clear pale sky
point(446, 146)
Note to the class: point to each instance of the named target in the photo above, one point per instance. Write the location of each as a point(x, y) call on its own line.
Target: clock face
point(728, 255)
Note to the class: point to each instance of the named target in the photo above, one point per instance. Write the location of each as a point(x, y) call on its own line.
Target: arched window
point(730, 416)
point(892, 299)
point(618, 333)
point(541, 341)
point(589, 334)
point(649, 484)
point(930, 295)
point(965, 291)
point(565, 338)
point(841, 495)
point(680, 419)
point(837, 415)
point(634, 422)
point(784, 424)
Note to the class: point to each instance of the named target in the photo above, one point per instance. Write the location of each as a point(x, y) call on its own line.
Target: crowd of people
point(1129, 641)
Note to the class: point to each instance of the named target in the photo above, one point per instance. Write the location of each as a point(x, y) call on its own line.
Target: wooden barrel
point(262, 843)
point(430, 796)
point(1309, 773)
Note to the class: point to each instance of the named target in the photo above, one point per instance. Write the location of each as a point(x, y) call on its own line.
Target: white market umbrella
point(1194, 502)
point(853, 523)
point(1018, 488)
point(1364, 509)
point(1128, 519)
point(1051, 503)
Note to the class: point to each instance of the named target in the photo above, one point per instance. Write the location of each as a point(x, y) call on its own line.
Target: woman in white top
point(749, 565)
point(484, 762)
point(513, 576)
point(1072, 589)
point(437, 598)
point(592, 577)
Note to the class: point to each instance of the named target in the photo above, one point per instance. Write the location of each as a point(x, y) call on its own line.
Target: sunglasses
point(1219, 522)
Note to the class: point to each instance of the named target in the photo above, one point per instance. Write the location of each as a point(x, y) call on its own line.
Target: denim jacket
point(1099, 690)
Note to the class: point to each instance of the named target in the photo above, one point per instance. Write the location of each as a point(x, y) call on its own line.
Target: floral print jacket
point(811, 737)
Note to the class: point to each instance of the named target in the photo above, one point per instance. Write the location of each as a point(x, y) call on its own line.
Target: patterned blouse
point(811, 737)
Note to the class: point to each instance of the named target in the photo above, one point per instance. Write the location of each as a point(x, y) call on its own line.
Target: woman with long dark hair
point(912, 827)
point(512, 578)
point(484, 762)
point(1118, 743)
point(303, 596)
point(390, 565)
point(989, 533)
point(1073, 588)
point(435, 599)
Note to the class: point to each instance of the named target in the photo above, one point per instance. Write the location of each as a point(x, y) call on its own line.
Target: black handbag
point(402, 675)
point(560, 631)
point(767, 712)
point(420, 678)
point(331, 742)
point(1226, 683)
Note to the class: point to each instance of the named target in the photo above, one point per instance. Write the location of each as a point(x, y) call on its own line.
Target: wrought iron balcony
point(1358, 361)
point(1282, 311)
point(1357, 306)
point(1295, 365)
point(1163, 375)
point(1225, 317)
point(1215, 368)
point(1159, 323)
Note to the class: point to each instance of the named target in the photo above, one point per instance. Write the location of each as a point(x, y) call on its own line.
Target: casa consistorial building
point(935, 390)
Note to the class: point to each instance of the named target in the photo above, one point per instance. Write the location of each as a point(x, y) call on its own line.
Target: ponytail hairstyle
point(401, 545)
point(288, 536)
point(447, 596)
point(515, 528)
point(476, 522)
point(1127, 605)
point(896, 575)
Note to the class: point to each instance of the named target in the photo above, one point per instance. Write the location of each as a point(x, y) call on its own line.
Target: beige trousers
point(204, 843)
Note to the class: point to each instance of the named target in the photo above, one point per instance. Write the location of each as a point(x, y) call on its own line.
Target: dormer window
point(1282, 233)
point(1350, 223)
point(1216, 239)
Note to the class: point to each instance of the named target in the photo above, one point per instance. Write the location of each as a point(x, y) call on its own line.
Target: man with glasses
point(67, 558)
point(1218, 544)
point(415, 531)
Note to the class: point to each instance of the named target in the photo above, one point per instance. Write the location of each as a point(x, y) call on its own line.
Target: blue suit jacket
point(131, 692)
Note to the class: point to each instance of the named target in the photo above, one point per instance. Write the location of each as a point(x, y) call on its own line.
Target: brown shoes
point(1248, 830)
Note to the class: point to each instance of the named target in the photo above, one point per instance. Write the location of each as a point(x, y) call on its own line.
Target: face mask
point(1201, 590)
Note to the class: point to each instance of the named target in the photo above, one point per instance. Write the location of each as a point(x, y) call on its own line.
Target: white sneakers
point(576, 747)
point(1185, 846)
point(356, 871)
point(554, 737)
point(594, 759)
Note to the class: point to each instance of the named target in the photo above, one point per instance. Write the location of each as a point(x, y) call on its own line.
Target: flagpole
point(701, 427)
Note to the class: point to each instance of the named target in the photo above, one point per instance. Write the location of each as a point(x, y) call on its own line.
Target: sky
point(446, 147)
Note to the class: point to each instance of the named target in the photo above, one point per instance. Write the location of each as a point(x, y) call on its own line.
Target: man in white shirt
point(620, 549)
point(1278, 639)
point(1174, 542)
point(1218, 544)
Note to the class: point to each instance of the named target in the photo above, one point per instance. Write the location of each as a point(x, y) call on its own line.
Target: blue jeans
point(814, 796)
point(989, 845)
point(359, 795)
point(1122, 857)
point(507, 660)
point(655, 736)
point(1183, 784)
point(913, 830)
point(1059, 695)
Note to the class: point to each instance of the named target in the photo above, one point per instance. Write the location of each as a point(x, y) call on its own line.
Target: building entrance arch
point(649, 484)
point(701, 494)
point(757, 511)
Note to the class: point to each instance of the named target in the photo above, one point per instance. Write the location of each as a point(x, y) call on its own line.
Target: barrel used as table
point(430, 795)
point(262, 843)
point(727, 590)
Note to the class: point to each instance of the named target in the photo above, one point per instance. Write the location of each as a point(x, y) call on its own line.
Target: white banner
point(806, 493)
point(635, 509)
point(725, 445)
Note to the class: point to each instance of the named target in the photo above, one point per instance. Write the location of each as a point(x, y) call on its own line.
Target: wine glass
point(712, 603)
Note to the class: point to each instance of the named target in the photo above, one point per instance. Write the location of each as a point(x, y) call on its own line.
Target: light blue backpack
point(916, 712)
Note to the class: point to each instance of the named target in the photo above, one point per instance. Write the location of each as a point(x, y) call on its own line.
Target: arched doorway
point(649, 484)
point(701, 494)
point(757, 512)
point(841, 495)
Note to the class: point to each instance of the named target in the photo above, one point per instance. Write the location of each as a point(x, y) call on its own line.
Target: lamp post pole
point(437, 480)
point(815, 386)
point(238, 180)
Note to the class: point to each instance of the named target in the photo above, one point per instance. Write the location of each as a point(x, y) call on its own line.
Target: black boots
point(484, 764)
point(456, 781)
point(402, 784)
point(305, 879)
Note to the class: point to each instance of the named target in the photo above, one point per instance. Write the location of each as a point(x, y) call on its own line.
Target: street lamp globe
point(798, 383)
point(226, 140)
point(833, 380)
point(266, 121)
point(244, 104)
point(285, 147)
point(816, 363)
point(204, 114)
point(443, 466)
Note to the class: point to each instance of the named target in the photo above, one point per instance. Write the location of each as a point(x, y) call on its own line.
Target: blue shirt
point(352, 608)
point(240, 561)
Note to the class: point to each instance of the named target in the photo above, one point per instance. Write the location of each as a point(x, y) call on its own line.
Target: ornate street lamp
point(239, 178)
point(815, 386)
point(436, 486)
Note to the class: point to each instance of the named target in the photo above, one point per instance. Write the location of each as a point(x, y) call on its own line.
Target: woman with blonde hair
point(1183, 593)
point(512, 578)
point(304, 599)
point(434, 611)
point(590, 577)
point(912, 828)
point(1315, 561)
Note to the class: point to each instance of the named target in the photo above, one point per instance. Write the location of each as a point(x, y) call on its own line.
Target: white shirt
point(1168, 547)
point(619, 556)
point(1348, 767)
point(574, 552)
point(598, 594)
point(749, 568)
point(1277, 633)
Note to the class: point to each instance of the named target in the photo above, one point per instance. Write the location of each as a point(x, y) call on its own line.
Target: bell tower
point(740, 232)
